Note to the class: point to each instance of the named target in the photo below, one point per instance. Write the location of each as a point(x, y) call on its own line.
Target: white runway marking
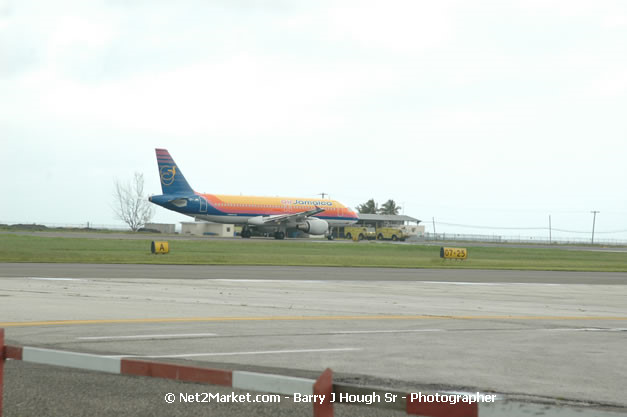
point(566, 329)
point(258, 352)
point(268, 280)
point(147, 336)
point(488, 283)
point(386, 331)
point(461, 283)
point(590, 329)
point(55, 279)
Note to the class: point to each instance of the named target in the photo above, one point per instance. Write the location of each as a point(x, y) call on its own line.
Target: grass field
point(24, 248)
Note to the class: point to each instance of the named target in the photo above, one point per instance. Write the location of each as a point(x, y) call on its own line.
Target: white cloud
point(369, 100)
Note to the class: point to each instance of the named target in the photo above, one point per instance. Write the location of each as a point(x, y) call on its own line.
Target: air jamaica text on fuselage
point(307, 202)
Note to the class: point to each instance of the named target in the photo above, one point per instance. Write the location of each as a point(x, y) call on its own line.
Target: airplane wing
point(283, 218)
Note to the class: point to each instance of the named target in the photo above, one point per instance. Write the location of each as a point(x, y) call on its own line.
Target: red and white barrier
point(277, 384)
point(71, 359)
point(177, 372)
point(280, 384)
point(324, 386)
point(254, 381)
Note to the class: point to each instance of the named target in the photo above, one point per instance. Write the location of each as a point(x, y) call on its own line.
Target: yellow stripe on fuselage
point(301, 202)
point(240, 208)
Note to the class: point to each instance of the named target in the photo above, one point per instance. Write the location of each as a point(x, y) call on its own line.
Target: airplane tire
point(279, 235)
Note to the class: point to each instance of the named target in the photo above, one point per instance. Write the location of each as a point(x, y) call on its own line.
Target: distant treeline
point(43, 228)
point(30, 227)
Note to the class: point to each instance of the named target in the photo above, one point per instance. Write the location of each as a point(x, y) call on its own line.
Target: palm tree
point(369, 207)
point(389, 207)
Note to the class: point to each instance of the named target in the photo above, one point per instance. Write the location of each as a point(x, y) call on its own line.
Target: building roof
point(387, 217)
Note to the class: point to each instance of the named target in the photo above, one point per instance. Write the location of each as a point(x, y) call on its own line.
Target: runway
point(547, 335)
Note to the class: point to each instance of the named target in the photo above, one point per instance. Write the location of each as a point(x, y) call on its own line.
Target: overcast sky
point(490, 113)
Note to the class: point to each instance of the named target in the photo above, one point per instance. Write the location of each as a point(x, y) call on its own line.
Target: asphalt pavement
point(543, 336)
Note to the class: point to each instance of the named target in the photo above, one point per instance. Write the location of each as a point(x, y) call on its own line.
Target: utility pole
point(433, 218)
point(322, 195)
point(550, 229)
point(593, 222)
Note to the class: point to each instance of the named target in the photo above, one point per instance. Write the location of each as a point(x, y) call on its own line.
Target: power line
point(529, 228)
point(492, 227)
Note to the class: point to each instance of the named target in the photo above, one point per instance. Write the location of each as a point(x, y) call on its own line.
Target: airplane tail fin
point(172, 179)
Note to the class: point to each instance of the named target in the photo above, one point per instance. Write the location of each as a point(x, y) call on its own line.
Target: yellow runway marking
point(294, 318)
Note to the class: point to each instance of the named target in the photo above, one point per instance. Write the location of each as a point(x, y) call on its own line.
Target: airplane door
point(203, 205)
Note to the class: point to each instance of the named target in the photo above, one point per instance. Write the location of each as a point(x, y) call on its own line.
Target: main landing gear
point(247, 233)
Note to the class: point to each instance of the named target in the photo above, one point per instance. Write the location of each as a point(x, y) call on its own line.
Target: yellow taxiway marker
point(294, 318)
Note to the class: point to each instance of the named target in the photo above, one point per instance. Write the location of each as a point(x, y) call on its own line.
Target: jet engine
point(314, 226)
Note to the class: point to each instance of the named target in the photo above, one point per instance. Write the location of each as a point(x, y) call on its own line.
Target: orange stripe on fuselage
point(274, 205)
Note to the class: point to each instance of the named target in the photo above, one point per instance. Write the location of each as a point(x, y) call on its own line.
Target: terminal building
point(202, 228)
point(386, 220)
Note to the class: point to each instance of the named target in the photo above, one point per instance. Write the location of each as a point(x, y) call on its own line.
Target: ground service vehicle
point(391, 233)
point(360, 232)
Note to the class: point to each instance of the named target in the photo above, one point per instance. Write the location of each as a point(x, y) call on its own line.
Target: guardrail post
point(2, 358)
point(323, 386)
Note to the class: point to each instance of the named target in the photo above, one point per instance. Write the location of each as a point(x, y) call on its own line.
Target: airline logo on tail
point(167, 174)
point(172, 178)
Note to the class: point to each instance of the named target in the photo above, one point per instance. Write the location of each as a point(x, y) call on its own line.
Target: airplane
point(274, 215)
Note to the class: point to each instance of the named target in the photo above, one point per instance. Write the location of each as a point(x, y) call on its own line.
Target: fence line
point(520, 239)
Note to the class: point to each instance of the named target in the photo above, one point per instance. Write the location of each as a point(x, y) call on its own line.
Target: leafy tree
point(369, 207)
point(131, 205)
point(389, 207)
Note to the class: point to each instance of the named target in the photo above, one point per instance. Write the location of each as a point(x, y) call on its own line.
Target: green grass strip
point(24, 248)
